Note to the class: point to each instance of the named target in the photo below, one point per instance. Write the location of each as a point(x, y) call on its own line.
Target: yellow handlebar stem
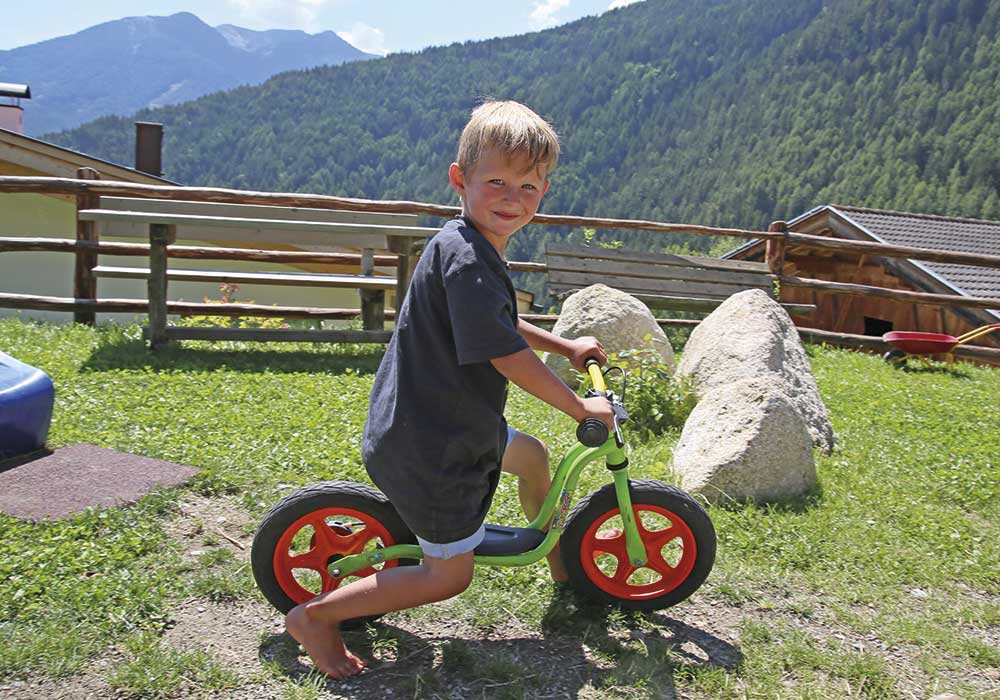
point(596, 377)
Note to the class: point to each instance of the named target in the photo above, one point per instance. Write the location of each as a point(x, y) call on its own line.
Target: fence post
point(407, 250)
point(160, 236)
point(774, 253)
point(84, 281)
point(775, 250)
point(372, 301)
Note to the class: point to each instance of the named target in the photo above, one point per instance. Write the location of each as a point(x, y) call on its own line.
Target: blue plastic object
point(26, 400)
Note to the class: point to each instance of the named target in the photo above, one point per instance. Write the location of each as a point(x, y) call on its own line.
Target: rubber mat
point(56, 484)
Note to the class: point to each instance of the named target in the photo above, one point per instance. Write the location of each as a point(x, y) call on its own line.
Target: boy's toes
point(347, 667)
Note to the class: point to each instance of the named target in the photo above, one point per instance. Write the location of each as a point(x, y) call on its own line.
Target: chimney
point(11, 112)
point(148, 148)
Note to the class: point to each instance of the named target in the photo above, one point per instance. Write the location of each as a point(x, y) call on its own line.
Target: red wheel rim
point(353, 532)
point(599, 544)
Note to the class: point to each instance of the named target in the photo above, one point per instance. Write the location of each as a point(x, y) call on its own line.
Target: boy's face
point(500, 195)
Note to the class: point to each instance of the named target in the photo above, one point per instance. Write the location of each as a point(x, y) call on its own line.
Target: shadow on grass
point(804, 503)
point(644, 649)
point(582, 646)
point(334, 358)
point(923, 367)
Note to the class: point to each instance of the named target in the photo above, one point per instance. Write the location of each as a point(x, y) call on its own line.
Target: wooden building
point(875, 316)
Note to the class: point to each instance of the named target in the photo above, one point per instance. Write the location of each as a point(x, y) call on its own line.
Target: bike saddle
point(505, 541)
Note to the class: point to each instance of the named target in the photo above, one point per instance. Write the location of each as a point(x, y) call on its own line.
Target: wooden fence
point(86, 247)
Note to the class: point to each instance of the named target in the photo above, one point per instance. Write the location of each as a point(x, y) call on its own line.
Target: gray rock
point(620, 321)
point(751, 335)
point(745, 440)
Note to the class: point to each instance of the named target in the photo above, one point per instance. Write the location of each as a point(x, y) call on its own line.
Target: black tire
point(896, 358)
point(686, 536)
point(352, 508)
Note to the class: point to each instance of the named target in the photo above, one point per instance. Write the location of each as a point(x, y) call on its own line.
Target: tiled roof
point(944, 233)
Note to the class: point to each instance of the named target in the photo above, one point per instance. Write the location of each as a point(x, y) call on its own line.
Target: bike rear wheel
point(302, 536)
point(677, 533)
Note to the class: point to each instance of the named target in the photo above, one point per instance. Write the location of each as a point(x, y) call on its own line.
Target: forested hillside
point(731, 112)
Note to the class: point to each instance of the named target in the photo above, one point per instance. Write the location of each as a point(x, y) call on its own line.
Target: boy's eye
point(529, 186)
point(496, 181)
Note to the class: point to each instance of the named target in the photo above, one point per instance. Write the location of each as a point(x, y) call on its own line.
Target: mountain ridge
point(124, 65)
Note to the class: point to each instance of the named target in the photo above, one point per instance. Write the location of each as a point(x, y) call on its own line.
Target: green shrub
point(228, 291)
point(656, 403)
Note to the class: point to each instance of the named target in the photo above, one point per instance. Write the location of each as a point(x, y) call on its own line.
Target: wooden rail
point(185, 308)
point(815, 335)
point(191, 252)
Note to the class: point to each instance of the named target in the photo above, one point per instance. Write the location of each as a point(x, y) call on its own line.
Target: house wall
point(846, 314)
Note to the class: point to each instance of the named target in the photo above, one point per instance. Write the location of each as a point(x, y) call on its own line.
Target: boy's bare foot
point(323, 643)
point(556, 568)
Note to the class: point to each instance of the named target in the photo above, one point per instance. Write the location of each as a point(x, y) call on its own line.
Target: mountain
point(122, 66)
point(724, 112)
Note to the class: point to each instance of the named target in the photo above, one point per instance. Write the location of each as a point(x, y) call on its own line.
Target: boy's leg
point(527, 458)
point(314, 625)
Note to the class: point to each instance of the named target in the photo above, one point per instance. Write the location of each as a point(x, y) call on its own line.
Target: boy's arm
point(525, 369)
point(576, 350)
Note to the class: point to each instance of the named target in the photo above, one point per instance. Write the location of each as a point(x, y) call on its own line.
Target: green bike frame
point(551, 518)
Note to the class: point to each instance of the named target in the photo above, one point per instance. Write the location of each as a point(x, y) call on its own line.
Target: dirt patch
point(435, 657)
point(218, 521)
point(86, 686)
point(230, 632)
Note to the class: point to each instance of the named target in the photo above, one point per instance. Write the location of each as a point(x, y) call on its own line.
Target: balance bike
point(638, 544)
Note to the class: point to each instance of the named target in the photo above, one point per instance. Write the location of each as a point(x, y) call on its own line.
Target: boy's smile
point(499, 194)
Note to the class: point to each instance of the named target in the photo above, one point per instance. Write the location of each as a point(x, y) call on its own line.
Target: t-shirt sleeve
point(479, 306)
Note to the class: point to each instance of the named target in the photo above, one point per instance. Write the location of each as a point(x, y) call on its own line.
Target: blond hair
point(513, 130)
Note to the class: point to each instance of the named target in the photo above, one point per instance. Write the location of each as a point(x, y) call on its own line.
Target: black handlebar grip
point(592, 432)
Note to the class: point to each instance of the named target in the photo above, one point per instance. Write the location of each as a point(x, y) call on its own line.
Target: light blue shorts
point(448, 550)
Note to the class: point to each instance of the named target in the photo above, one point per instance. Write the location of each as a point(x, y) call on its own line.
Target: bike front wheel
point(676, 532)
point(306, 532)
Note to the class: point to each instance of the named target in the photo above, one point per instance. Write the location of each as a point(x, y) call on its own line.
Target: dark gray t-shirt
point(435, 432)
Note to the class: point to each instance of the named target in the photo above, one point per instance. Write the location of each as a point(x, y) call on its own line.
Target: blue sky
point(377, 26)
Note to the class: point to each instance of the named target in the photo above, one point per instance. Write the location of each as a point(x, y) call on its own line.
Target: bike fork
point(633, 540)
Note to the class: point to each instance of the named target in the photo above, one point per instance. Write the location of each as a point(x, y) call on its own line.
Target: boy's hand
point(597, 407)
point(583, 348)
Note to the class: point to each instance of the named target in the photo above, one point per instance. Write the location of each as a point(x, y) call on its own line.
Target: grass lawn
point(884, 584)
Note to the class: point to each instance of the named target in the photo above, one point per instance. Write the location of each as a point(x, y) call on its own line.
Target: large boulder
point(745, 440)
point(620, 321)
point(751, 335)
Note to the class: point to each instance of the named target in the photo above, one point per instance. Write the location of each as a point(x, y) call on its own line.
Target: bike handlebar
point(592, 432)
point(596, 377)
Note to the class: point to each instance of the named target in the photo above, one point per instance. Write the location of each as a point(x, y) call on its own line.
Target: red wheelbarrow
point(905, 343)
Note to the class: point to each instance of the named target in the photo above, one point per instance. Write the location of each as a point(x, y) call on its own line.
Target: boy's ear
point(545, 187)
point(456, 178)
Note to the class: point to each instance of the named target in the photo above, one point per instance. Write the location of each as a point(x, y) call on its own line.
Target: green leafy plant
point(656, 402)
point(228, 291)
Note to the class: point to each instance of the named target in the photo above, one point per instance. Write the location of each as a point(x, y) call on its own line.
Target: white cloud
point(621, 3)
point(364, 37)
point(544, 13)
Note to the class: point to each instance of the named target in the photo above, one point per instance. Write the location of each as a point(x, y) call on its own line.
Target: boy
point(436, 439)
